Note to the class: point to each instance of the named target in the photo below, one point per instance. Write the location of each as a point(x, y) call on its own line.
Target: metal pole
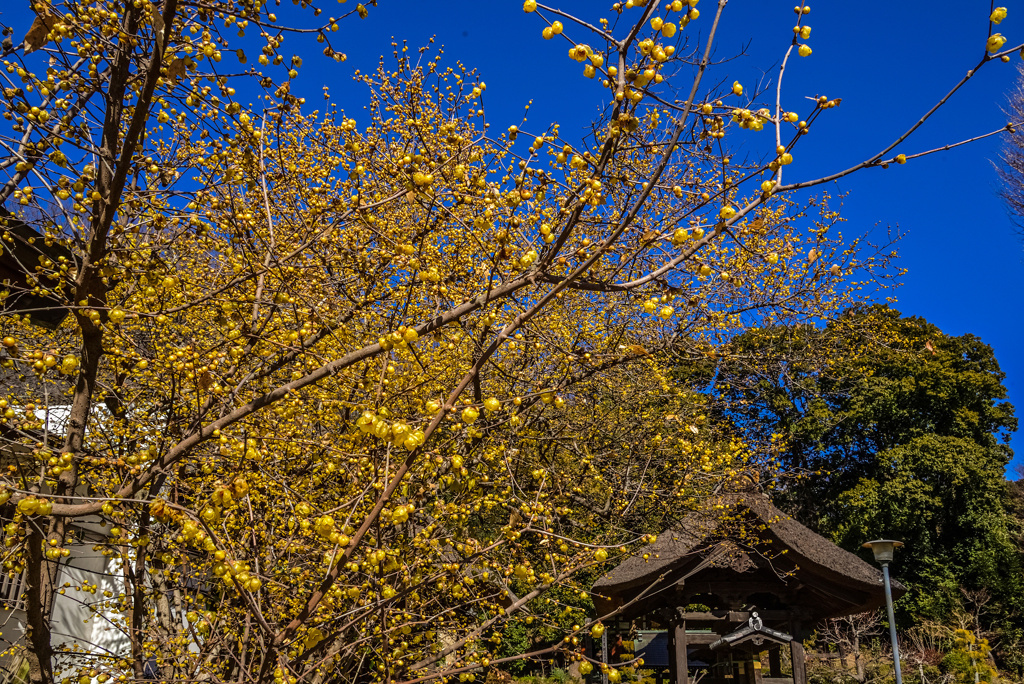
point(892, 624)
point(604, 656)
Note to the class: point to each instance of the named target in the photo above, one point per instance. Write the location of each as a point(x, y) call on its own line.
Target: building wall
point(84, 628)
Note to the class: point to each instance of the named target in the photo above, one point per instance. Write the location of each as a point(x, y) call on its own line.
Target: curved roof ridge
point(810, 551)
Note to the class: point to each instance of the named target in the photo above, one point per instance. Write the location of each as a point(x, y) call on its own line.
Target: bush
point(960, 664)
point(931, 674)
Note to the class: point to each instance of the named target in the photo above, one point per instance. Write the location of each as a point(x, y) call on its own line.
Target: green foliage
point(943, 496)
point(1010, 648)
point(958, 663)
point(896, 430)
point(1010, 644)
point(552, 617)
point(877, 668)
point(968, 659)
point(515, 639)
point(560, 676)
point(912, 675)
point(557, 676)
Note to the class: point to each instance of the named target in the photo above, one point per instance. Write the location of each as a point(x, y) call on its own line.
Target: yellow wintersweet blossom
point(366, 385)
point(995, 42)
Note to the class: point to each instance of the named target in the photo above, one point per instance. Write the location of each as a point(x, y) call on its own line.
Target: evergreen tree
point(895, 430)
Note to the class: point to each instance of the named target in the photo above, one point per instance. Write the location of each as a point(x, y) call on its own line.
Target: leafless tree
point(847, 633)
point(1011, 166)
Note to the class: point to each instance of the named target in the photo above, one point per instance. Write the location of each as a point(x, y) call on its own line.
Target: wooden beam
point(679, 655)
point(724, 668)
point(796, 650)
point(736, 615)
point(775, 662)
point(672, 672)
point(707, 616)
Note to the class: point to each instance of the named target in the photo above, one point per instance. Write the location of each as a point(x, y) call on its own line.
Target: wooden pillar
point(755, 666)
point(774, 662)
point(678, 655)
point(796, 650)
point(723, 668)
point(671, 652)
point(749, 669)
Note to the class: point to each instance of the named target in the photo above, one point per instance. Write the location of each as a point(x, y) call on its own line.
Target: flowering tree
point(349, 399)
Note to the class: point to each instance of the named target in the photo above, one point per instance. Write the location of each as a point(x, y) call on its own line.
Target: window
point(11, 588)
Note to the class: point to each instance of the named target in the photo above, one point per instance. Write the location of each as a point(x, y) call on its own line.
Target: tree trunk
point(858, 660)
point(39, 577)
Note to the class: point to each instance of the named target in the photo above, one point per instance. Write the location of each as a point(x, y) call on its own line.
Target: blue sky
point(965, 262)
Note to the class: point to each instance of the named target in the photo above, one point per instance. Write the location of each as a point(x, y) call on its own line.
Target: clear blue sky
point(965, 262)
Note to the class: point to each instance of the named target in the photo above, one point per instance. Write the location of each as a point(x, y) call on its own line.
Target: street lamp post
point(883, 550)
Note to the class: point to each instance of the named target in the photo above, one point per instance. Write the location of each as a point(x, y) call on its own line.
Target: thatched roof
point(19, 380)
point(841, 582)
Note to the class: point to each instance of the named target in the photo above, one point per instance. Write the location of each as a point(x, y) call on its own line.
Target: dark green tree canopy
point(865, 384)
point(893, 429)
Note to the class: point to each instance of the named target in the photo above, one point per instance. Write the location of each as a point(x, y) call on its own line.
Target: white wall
point(80, 622)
